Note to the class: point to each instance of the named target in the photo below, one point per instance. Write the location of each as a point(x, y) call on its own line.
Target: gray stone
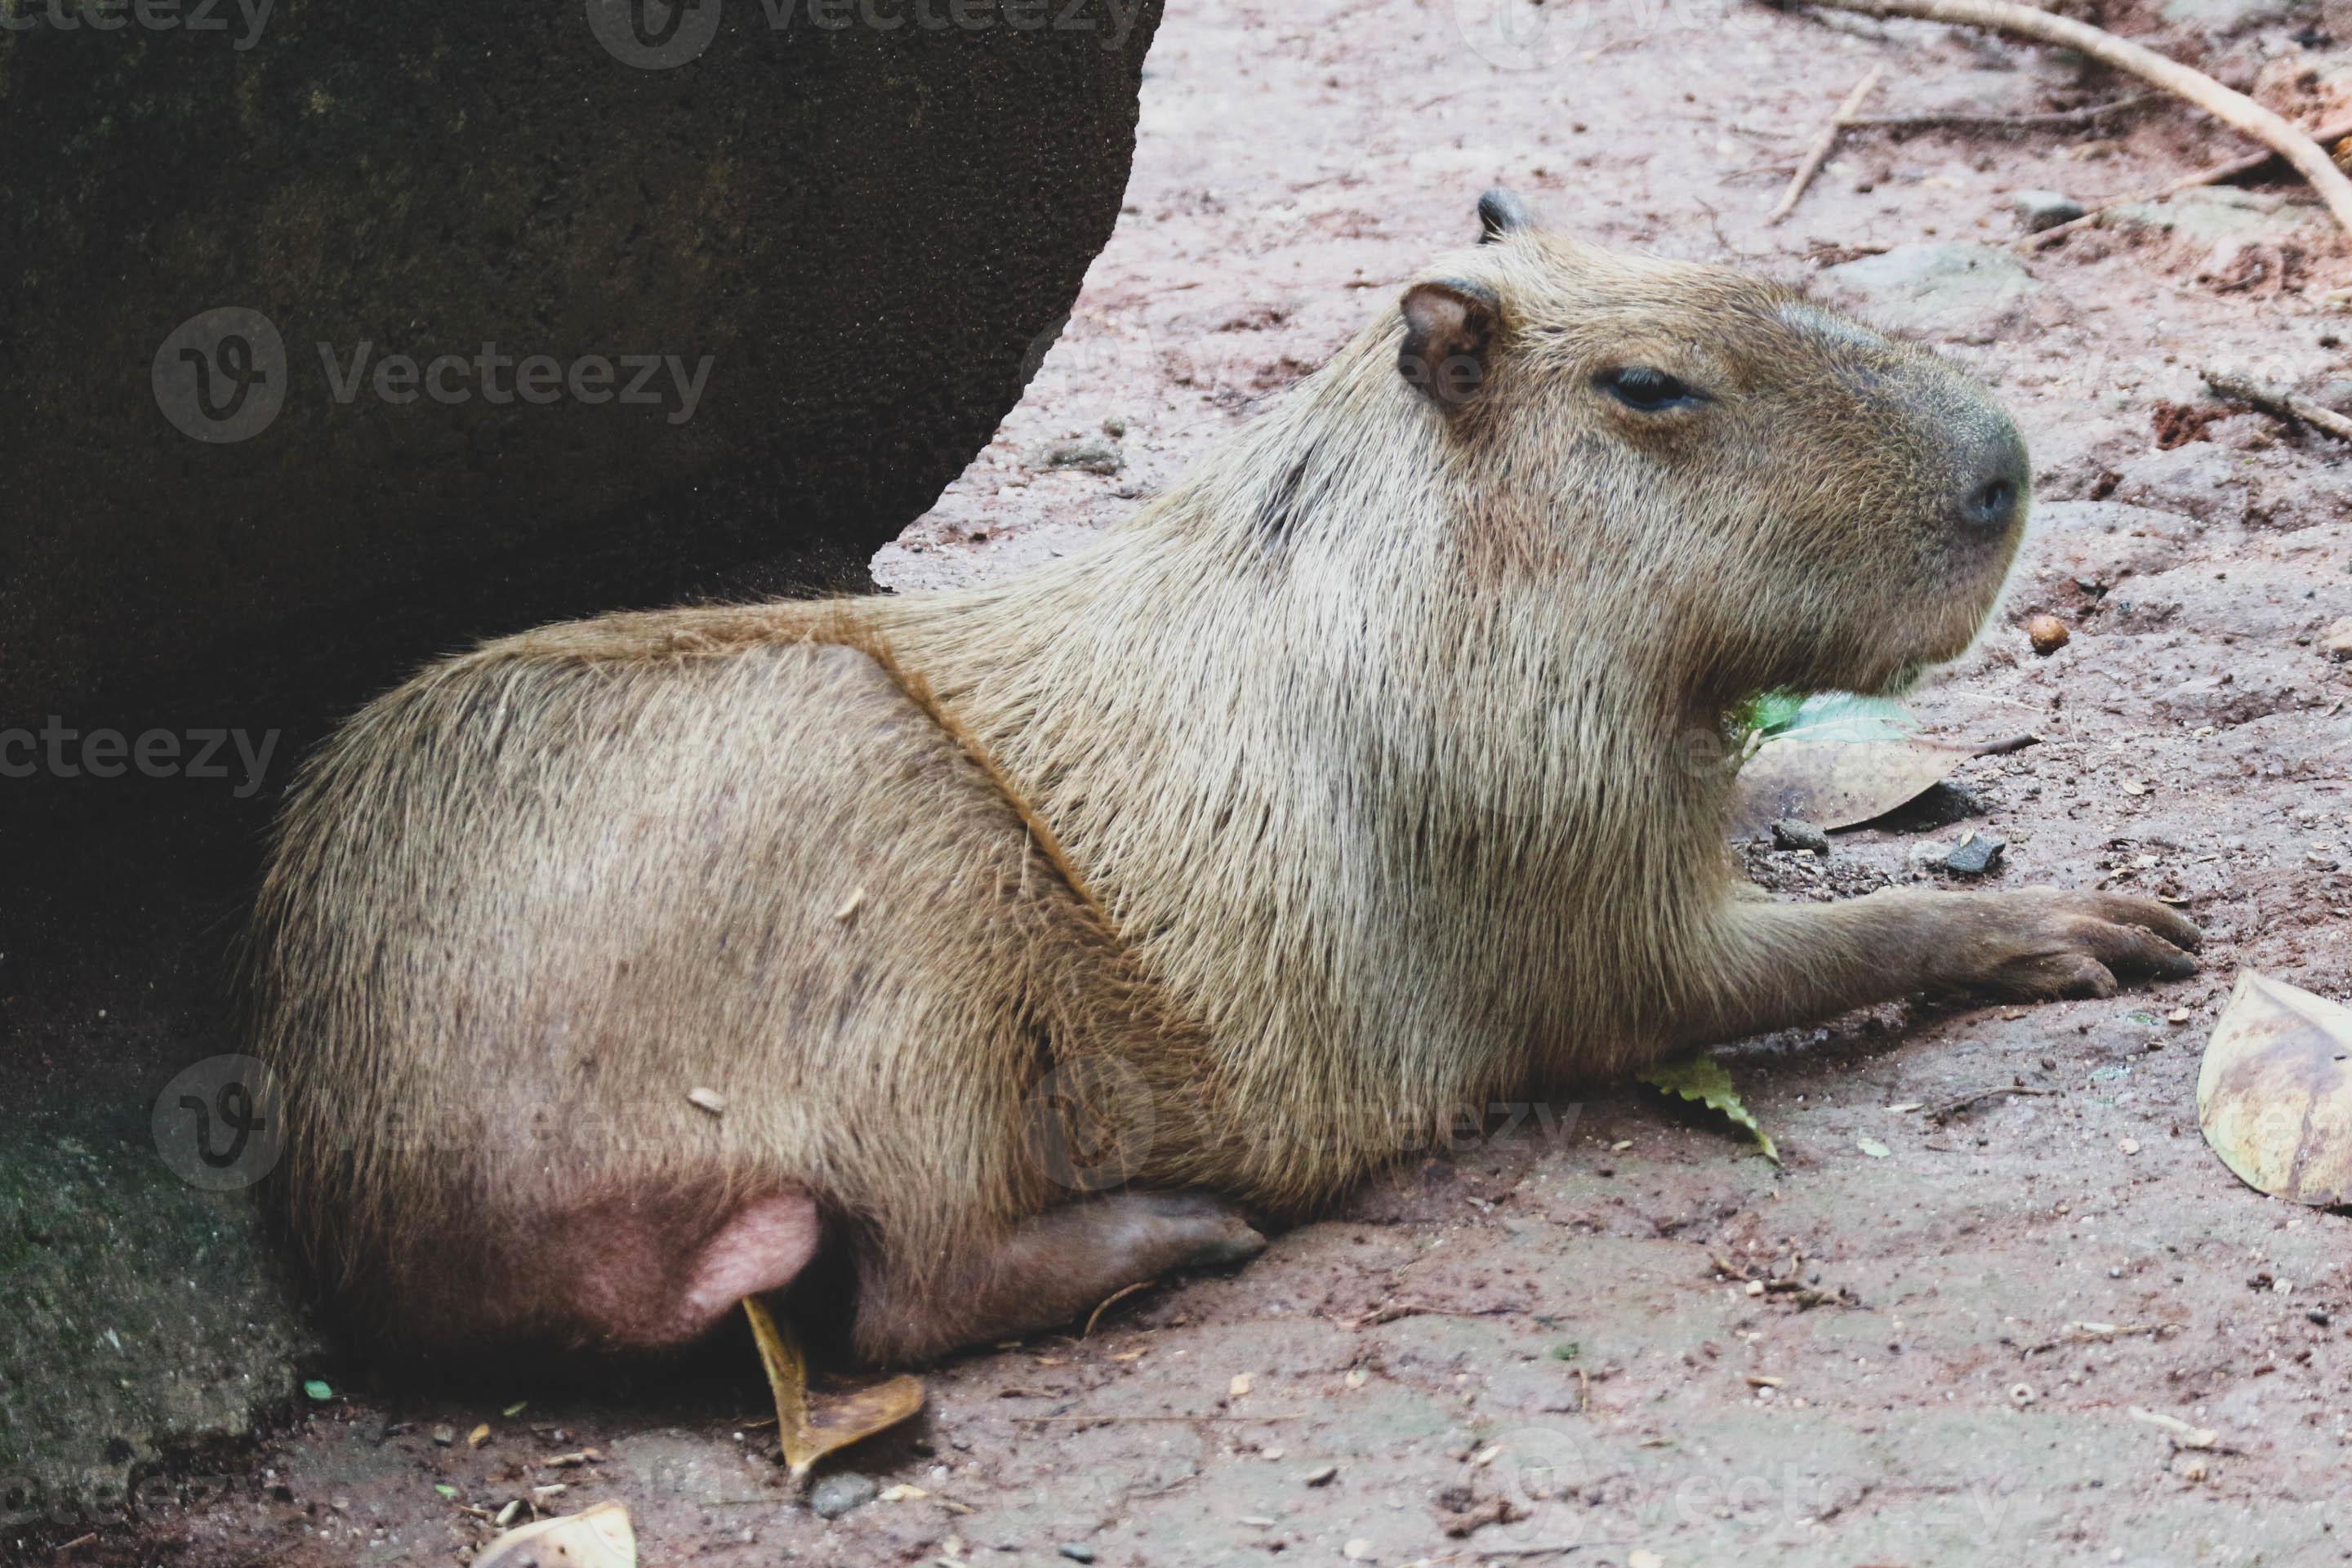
point(1093, 454)
point(839, 1494)
point(870, 236)
point(2038, 210)
point(1974, 854)
point(1791, 833)
point(1078, 1554)
point(1965, 294)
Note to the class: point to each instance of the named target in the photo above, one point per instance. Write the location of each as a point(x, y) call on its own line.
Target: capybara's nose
point(1993, 486)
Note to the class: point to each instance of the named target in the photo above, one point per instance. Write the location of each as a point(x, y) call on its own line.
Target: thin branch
point(1823, 144)
point(2232, 109)
point(1110, 1301)
point(2288, 406)
point(1952, 1108)
point(2056, 120)
point(2211, 174)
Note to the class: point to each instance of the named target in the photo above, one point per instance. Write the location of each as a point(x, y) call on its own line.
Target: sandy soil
point(1530, 1341)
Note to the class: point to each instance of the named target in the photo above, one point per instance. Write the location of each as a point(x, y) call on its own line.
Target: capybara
point(1021, 938)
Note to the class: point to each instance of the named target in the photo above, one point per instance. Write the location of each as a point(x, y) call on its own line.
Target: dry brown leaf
point(2274, 1096)
point(599, 1537)
point(809, 1429)
point(1837, 784)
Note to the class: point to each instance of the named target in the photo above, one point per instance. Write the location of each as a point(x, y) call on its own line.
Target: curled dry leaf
point(2274, 1096)
point(599, 1537)
point(1837, 784)
point(809, 1427)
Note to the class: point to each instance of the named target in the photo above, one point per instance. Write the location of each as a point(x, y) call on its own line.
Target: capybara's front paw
point(2052, 942)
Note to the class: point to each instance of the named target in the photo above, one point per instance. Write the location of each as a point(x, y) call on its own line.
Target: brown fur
point(1363, 777)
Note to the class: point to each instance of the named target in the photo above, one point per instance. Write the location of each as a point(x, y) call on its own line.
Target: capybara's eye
point(1651, 391)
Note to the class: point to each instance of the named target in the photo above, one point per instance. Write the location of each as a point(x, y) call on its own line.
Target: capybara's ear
point(1449, 325)
point(1502, 213)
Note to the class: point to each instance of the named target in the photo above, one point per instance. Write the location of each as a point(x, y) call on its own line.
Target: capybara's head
point(1801, 502)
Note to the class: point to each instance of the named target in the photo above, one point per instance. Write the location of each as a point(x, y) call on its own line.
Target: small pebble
point(2047, 633)
point(1793, 833)
point(2335, 642)
point(837, 1495)
point(1078, 1554)
point(1322, 1476)
point(1093, 455)
point(1975, 855)
point(2038, 210)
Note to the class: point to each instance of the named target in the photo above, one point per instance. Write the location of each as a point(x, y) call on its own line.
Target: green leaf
point(1568, 1352)
point(445, 1490)
point(1704, 1080)
point(317, 1390)
point(1839, 715)
point(1873, 1147)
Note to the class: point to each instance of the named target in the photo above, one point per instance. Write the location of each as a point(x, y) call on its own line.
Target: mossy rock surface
point(145, 1323)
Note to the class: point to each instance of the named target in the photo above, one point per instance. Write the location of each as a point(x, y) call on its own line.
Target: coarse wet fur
point(1022, 935)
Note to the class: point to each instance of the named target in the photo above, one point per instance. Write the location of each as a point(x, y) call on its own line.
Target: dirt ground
point(1534, 1346)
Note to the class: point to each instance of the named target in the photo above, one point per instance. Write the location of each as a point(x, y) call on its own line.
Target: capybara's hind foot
point(1052, 1268)
point(1188, 1230)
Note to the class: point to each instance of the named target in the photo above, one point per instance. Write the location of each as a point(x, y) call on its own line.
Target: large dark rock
point(869, 233)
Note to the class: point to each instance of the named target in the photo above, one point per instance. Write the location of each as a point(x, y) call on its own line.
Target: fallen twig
point(1823, 144)
point(2099, 1334)
point(1391, 1311)
point(2182, 1433)
point(2235, 110)
point(2211, 174)
point(1786, 1286)
point(2055, 120)
point(1112, 1301)
point(1952, 1108)
point(2287, 406)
